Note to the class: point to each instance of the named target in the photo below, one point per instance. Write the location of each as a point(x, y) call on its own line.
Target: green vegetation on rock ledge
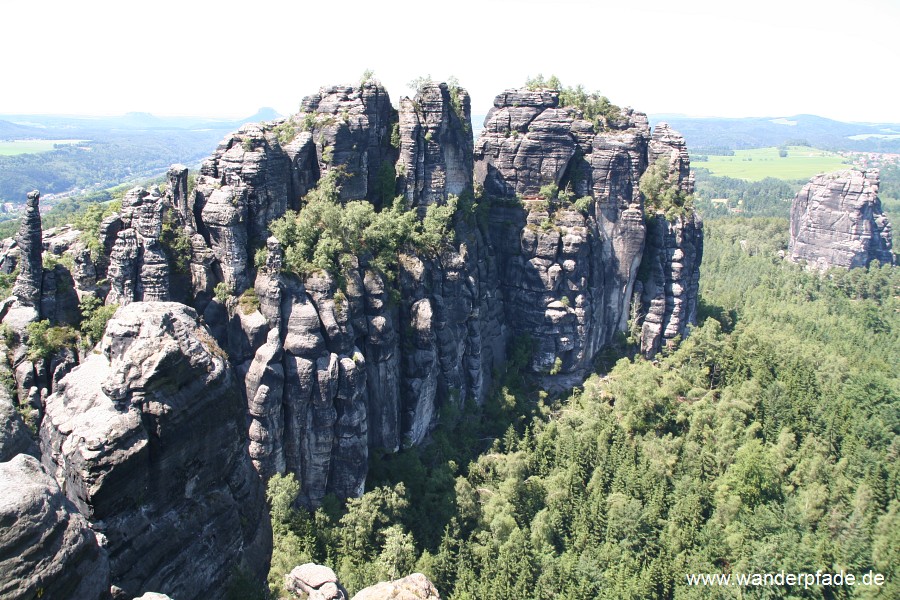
point(323, 233)
point(660, 189)
point(596, 107)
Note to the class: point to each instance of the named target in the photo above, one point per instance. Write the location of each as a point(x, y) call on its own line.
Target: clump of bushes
point(661, 191)
point(593, 105)
point(45, 340)
point(94, 317)
point(324, 233)
point(249, 301)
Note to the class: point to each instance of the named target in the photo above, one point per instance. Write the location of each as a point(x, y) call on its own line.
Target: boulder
point(412, 587)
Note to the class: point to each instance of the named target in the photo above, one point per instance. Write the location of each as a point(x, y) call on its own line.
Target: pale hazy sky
point(834, 58)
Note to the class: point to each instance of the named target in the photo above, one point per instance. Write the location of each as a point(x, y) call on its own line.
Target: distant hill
point(10, 130)
point(118, 149)
point(68, 126)
point(709, 133)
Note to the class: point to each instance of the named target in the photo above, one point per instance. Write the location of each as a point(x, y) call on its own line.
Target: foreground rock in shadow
point(147, 436)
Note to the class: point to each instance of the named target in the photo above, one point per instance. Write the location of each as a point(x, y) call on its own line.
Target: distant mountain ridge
point(53, 126)
point(704, 133)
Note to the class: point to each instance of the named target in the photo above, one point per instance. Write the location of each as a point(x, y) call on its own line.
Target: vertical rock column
point(27, 288)
point(138, 266)
point(668, 291)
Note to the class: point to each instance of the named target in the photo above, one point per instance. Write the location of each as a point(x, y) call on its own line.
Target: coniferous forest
point(767, 441)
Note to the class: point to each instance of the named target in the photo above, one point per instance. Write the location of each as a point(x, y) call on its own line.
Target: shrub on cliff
point(324, 233)
point(594, 106)
point(661, 192)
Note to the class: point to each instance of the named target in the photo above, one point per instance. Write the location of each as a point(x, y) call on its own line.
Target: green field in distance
point(11, 148)
point(801, 162)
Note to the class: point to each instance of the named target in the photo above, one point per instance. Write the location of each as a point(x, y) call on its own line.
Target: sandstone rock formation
point(28, 283)
point(412, 587)
point(668, 289)
point(147, 438)
point(47, 549)
point(138, 266)
point(315, 582)
point(318, 582)
point(435, 135)
point(837, 221)
point(336, 366)
point(566, 274)
point(668, 294)
point(14, 435)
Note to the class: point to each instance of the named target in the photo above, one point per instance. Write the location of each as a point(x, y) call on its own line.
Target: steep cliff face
point(333, 367)
point(668, 289)
point(435, 136)
point(666, 297)
point(138, 266)
point(147, 439)
point(837, 221)
point(566, 273)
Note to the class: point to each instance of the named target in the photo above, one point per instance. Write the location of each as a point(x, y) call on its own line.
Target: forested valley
point(767, 441)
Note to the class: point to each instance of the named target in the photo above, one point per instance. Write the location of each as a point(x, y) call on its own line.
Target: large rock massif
point(161, 438)
point(146, 439)
point(837, 221)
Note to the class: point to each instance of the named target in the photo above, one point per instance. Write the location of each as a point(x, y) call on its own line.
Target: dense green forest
point(766, 442)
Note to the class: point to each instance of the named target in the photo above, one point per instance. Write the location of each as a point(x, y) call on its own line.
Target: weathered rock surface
point(334, 367)
point(351, 128)
point(435, 145)
point(14, 435)
point(315, 582)
point(667, 294)
point(412, 587)
point(138, 266)
point(668, 144)
point(27, 288)
point(566, 275)
point(147, 438)
point(837, 221)
point(47, 549)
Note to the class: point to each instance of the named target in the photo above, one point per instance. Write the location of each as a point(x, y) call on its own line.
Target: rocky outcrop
point(435, 135)
point(147, 438)
point(351, 128)
point(14, 435)
point(566, 274)
point(668, 289)
point(138, 265)
point(668, 145)
point(837, 221)
point(27, 288)
point(47, 549)
point(318, 582)
point(412, 587)
point(314, 582)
